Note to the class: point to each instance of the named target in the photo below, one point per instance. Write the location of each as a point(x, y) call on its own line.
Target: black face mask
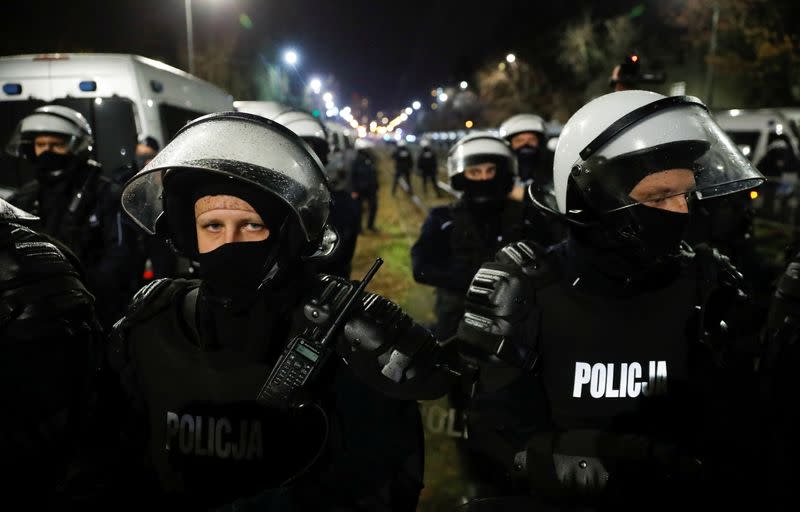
point(51, 166)
point(142, 160)
point(661, 231)
point(483, 191)
point(233, 273)
point(527, 157)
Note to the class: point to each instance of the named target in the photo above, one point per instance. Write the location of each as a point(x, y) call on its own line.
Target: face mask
point(527, 156)
point(233, 272)
point(51, 166)
point(661, 231)
point(142, 160)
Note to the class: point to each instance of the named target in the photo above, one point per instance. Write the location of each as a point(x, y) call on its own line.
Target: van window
point(174, 118)
point(745, 141)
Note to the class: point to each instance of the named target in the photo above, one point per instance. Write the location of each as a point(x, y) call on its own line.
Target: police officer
point(526, 135)
point(77, 204)
point(428, 167)
point(403, 162)
point(634, 383)
point(365, 182)
point(455, 239)
point(194, 356)
point(48, 336)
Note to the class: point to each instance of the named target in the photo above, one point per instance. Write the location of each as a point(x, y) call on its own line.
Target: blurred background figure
point(365, 182)
point(403, 162)
point(428, 166)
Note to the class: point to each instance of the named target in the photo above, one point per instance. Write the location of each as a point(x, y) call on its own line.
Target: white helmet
point(614, 141)
point(478, 148)
point(268, 109)
point(522, 123)
point(56, 120)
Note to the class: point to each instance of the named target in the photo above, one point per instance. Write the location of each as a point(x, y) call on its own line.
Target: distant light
point(327, 97)
point(354, 123)
point(12, 89)
point(290, 57)
point(416, 105)
point(434, 92)
point(88, 86)
point(385, 120)
point(443, 97)
point(245, 21)
point(315, 112)
point(469, 124)
point(753, 194)
point(434, 106)
point(387, 137)
point(634, 58)
point(373, 125)
point(735, 112)
point(452, 135)
point(745, 150)
point(345, 111)
point(510, 58)
point(501, 66)
point(463, 84)
point(362, 131)
point(411, 138)
point(98, 101)
point(316, 85)
point(332, 112)
point(409, 110)
point(435, 136)
point(404, 116)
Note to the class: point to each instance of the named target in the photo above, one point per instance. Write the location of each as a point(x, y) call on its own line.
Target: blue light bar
point(12, 89)
point(88, 86)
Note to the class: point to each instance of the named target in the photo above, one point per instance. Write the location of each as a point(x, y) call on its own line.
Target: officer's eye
point(214, 227)
point(254, 226)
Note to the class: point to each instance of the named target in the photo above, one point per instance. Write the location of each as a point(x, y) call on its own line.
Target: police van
point(124, 97)
point(754, 130)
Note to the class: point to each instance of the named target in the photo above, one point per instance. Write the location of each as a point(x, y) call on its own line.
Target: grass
point(399, 222)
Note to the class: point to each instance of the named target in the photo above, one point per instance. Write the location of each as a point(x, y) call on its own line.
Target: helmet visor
point(703, 162)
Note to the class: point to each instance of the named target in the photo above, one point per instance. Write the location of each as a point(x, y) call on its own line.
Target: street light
point(510, 58)
point(316, 85)
point(464, 84)
point(327, 97)
point(409, 110)
point(416, 105)
point(443, 97)
point(290, 57)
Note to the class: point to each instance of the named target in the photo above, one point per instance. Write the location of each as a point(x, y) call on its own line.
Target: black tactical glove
point(580, 462)
point(396, 356)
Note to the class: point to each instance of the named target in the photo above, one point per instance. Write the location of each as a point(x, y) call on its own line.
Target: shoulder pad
point(528, 256)
point(10, 213)
point(326, 296)
point(330, 294)
point(152, 299)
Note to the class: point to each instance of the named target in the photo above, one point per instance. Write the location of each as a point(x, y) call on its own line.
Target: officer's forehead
point(221, 202)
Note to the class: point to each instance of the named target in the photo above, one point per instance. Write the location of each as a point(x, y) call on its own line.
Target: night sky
point(390, 51)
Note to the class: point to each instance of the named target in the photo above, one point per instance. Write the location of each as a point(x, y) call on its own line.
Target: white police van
point(124, 97)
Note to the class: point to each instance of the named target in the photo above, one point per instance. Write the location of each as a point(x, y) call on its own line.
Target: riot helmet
point(476, 149)
point(260, 161)
point(622, 140)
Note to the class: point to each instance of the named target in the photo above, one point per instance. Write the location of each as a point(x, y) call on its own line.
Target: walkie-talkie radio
point(304, 356)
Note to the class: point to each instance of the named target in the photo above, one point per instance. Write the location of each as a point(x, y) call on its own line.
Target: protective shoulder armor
point(529, 257)
point(36, 279)
point(151, 299)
